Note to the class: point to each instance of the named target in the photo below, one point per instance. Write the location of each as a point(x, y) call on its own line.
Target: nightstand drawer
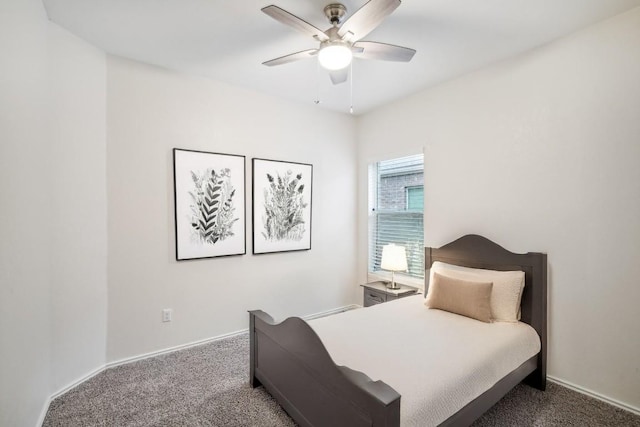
point(378, 292)
point(372, 297)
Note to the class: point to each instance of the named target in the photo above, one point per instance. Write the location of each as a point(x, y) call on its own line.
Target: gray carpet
point(208, 386)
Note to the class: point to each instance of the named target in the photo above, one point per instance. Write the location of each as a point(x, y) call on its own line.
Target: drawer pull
point(375, 297)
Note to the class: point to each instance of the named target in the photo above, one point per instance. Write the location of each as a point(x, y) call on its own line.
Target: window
point(396, 204)
point(415, 198)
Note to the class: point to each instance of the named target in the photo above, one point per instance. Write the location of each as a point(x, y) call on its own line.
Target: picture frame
point(282, 206)
point(210, 204)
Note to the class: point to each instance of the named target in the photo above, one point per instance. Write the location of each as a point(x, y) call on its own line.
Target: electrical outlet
point(167, 314)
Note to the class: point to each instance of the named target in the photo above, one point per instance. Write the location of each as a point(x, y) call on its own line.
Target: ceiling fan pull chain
point(317, 100)
point(351, 87)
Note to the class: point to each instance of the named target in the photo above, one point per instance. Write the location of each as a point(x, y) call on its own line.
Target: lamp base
point(393, 284)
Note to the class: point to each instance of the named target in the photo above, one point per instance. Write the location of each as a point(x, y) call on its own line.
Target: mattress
point(437, 361)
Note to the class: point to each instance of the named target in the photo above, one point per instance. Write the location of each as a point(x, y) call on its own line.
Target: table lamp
point(394, 258)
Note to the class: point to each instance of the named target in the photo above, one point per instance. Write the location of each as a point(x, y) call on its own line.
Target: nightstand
point(377, 293)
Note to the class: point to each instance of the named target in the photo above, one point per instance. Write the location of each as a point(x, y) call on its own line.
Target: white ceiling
point(228, 40)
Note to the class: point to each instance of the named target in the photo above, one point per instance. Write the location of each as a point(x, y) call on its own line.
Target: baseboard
point(77, 382)
point(595, 395)
point(65, 389)
point(132, 359)
point(165, 351)
point(216, 338)
point(45, 409)
point(330, 312)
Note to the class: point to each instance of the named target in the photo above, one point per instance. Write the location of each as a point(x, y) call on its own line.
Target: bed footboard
point(291, 362)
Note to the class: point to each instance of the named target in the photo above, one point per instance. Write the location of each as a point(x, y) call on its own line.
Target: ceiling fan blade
point(367, 18)
point(339, 76)
point(293, 21)
point(384, 51)
point(291, 57)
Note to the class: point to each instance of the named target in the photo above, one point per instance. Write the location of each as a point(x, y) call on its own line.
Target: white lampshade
point(394, 258)
point(335, 56)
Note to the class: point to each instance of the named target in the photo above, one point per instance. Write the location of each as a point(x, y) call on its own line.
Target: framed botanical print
point(209, 192)
point(281, 206)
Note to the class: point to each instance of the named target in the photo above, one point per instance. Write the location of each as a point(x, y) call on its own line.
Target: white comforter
point(437, 361)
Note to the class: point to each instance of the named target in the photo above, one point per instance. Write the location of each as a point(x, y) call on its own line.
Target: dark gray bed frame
point(291, 362)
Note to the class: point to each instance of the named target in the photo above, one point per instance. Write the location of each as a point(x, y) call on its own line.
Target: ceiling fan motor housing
point(335, 12)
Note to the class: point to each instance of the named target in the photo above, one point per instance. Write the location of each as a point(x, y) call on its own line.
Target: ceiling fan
point(340, 43)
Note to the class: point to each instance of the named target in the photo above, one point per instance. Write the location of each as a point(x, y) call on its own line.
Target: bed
point(294, 364)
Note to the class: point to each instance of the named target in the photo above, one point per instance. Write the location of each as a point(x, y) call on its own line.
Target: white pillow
point(506, 293)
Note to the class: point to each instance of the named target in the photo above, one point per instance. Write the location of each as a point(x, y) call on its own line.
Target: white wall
point(78, 218)
point(150, 111)
point(53, 205)
point(25, 338)
point(540, 153)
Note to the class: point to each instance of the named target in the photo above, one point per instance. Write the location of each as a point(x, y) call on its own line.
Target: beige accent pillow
point(471, 299)
point(507, 287)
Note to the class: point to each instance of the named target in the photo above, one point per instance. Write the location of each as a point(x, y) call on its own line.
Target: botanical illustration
point(282, 200)
point(284, 206)
point(209, 192)
point(212, 206)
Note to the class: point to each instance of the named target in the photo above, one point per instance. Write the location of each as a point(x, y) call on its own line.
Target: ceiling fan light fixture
point(335, 56)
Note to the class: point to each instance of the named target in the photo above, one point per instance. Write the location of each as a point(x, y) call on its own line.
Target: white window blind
point(396, 210)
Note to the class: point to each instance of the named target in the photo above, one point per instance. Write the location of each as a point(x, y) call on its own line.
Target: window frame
point(373, 180)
